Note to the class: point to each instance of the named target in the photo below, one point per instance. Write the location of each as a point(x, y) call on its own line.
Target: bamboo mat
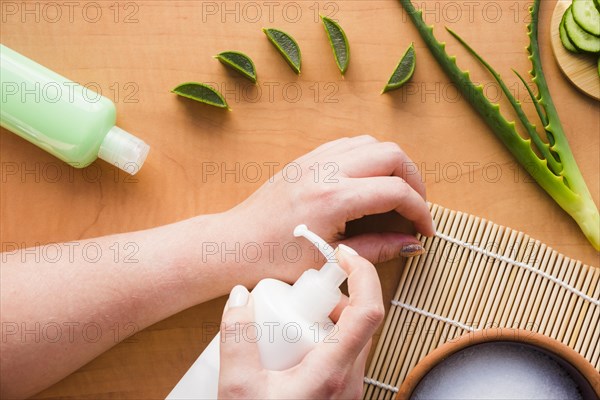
point(477, 275)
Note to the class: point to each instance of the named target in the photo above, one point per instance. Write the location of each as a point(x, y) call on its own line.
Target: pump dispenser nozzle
point(323, 246)
point(319, 290)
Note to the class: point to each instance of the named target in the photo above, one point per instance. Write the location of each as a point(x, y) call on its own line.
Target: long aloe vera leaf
point(542, 146)
point(567, 188)
point(538, 107)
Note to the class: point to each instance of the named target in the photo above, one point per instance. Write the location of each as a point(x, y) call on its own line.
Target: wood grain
point(581, 69)
point(165, 43)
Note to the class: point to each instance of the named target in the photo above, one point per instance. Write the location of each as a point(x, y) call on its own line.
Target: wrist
point(265, 247)
point(210, 254)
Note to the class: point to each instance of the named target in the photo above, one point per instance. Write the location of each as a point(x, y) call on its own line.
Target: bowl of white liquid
point(505, 364)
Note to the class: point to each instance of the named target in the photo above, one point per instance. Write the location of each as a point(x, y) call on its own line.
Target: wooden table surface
point(134, 52)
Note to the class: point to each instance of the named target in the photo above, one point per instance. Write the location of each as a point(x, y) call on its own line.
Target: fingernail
point(412, 249)
point(347, 249)
point(238, 297)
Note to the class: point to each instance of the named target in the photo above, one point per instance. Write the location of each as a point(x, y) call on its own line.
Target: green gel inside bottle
point(66, 119)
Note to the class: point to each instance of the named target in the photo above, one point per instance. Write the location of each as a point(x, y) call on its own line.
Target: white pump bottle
point(291, 321)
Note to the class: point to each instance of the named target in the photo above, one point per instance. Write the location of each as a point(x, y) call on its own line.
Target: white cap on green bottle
point(123, 150)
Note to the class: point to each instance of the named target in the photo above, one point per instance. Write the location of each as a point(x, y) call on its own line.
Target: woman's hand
point(340, 181)
point(330, 370)
point(195, 260)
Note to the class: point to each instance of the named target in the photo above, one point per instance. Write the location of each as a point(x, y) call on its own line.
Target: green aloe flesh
point(339, 43)
point(202, 93)
point(404, 70)
point(238, 62)
point(556, 171)
point(287, 46)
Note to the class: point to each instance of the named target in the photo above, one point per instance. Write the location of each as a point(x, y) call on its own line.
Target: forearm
point(97, 291)
point(70, 302)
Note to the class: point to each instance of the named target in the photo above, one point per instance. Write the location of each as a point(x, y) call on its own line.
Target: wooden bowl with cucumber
point(575, 37)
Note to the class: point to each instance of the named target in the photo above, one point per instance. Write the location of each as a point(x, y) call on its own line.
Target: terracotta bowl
point(580, 370)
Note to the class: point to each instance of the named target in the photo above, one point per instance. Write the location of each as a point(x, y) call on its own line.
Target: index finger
point(382, 159)
point(359, 319)
point(380, 194)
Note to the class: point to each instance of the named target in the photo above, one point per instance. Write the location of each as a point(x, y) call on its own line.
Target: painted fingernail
point(347, 249)
point(412, 249)
point(238, 297)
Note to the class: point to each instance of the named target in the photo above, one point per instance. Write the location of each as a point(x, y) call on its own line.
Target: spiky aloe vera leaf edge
point(568, 188)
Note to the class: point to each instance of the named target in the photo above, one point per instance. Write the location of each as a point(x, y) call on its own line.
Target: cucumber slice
point(580, 38)
point(564, 38)
point(587, 16)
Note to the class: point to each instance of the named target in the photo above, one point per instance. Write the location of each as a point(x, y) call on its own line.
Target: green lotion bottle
point(67, 120)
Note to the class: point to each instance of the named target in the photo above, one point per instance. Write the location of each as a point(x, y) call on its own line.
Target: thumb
point(385, 246)
point(238, 343)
